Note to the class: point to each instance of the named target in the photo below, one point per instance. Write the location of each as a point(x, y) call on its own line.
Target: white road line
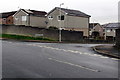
point(90, 69)
point(72, 51)
point(115, 59)
point(104, 57)
point(9, 42)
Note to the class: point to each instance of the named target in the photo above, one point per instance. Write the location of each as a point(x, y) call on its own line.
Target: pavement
point(108, 50)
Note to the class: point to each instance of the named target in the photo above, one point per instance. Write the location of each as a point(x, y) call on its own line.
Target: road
point(55, 60)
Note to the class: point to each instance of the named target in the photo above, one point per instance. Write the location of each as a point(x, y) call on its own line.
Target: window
point(108, 30)
point(62, 17)
point(4, 19)
point(114, 31)
point(50, 17)
point(24, 18)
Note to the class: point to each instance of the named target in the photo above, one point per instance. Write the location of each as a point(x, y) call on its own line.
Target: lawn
point(22, 37)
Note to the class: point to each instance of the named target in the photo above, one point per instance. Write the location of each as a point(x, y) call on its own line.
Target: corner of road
point(107, 50)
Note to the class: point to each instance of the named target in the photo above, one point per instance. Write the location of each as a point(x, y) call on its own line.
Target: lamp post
point(60, 23)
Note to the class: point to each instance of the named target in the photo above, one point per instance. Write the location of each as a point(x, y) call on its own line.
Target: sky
point(101, 11)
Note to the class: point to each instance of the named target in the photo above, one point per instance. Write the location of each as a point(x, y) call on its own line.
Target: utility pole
point(60, 23)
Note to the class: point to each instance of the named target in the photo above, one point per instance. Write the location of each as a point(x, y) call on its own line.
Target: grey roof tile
point(7, 14)
point(71, 12)
point(112, 25)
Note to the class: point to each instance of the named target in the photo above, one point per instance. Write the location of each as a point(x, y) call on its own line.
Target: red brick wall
point(9, 20)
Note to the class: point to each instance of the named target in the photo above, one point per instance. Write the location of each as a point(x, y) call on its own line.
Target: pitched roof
point(7, 14)
point(71, 12)
point(92, 25)
point(35, 12)
point(112, 25)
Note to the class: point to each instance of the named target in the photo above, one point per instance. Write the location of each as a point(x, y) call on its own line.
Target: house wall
point(18, 19)
point(31, 20)
point(0, 20)
point(70, 22)
point(99, 29)
point(48, 33)
point(9, 20)
point(111, 33)
point(38, 21)
point(54, 22)
point(4, 21)
point(78, 23)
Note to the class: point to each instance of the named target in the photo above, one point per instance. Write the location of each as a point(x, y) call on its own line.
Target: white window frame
point(108, 30)
point(24, 18)
point(50, 17)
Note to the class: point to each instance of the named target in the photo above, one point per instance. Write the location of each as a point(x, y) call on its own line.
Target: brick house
point(96, 28)
point(7, 18)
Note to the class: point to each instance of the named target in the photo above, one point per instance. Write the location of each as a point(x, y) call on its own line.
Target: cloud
point(98, 9)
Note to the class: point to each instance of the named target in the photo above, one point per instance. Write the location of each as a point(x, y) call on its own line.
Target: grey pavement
point(55, 60)
point(108, 50)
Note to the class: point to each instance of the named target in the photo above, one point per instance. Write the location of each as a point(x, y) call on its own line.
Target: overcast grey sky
point(101, 11)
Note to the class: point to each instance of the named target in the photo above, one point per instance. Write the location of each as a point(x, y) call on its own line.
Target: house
point(110, 30)
point(30, 18)
point(68, 19)
point(7, 17)
point(96, 30)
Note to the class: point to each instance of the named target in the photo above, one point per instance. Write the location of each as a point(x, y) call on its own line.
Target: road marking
point(115, 59)
point(104, 57)
point(90, 69)
point(9, 42)
point(74, 51)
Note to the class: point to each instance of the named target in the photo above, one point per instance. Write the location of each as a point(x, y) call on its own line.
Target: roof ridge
point(69, 9)
point(73, 12)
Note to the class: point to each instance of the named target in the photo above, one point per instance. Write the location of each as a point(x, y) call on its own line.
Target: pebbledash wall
point(48, 33)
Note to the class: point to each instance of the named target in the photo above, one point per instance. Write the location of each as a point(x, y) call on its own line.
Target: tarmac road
point(55, 60)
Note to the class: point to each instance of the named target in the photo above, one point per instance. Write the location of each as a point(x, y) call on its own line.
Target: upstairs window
point(50, 17)
point(62, 17)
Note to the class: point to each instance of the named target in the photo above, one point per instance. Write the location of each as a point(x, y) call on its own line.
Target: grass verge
point(22, 37)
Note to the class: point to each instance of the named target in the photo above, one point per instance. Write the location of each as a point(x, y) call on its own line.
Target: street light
point(60, 23)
